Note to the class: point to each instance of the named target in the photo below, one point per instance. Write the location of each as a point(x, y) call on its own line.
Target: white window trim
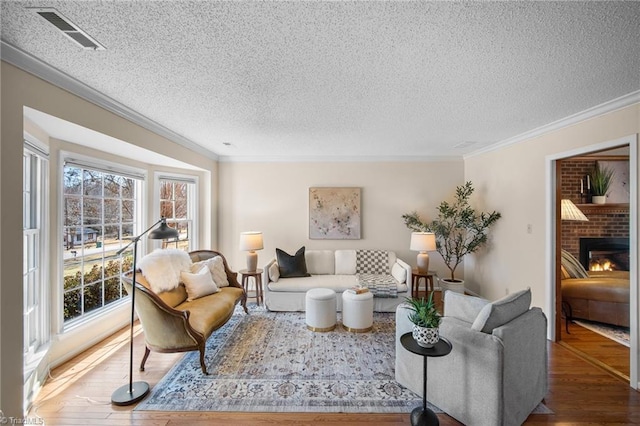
point(34, 146)
point(66, 157)
point(193, 201)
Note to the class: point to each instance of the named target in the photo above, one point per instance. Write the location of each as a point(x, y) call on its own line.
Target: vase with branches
point(459, 228)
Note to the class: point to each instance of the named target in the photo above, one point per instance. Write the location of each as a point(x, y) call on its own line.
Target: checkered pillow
point(372, 262)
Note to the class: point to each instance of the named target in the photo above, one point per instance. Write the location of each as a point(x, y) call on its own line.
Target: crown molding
point(604, 108)
point(344, 159)
point(50, 74)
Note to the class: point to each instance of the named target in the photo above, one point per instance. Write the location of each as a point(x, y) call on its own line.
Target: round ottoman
point(357, 311)
point(320, 308)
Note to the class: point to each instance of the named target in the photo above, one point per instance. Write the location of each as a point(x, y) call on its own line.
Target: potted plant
point(601, 178)
point(459, 229)
point(425, 319)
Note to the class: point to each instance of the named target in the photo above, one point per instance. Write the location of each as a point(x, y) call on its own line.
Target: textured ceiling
point(344, 79)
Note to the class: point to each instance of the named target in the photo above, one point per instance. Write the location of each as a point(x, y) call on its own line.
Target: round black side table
point(421, 416)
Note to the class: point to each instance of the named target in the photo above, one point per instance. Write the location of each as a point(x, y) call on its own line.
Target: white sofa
point(334, 269)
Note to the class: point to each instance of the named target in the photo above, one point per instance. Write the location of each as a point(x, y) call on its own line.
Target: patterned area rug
point(270, 362)
point(617, 334)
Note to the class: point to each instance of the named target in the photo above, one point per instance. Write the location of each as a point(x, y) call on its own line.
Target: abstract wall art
point(334, 213)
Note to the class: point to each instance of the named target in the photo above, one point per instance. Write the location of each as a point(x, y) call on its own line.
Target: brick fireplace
point(604, 254)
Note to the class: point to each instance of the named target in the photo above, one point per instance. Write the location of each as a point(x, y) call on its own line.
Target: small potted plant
point(425, 319)
point(601, 178)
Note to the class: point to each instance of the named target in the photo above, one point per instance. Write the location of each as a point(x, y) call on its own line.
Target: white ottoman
point(321, 308)
point(357, 311)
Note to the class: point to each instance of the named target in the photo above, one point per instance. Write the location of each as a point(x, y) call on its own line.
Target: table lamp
point(423, 242)
point(250, 242)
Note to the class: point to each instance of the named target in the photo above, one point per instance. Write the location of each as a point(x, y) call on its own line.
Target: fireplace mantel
point(604, 208)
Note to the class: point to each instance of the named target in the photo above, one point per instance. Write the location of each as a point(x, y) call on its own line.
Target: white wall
point(513, 181)
point(21, 89)
point(274, 198)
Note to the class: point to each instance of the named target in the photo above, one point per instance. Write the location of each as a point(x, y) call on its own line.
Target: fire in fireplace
point(604, 254)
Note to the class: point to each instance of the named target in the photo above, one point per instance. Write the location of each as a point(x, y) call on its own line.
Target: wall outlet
point(506, 291)
point(529, 228)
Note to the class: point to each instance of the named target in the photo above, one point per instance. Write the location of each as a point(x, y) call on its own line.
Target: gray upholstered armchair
point(496, 373)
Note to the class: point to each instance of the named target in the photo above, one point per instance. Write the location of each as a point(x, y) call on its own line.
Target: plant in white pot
point(601, 178)
point(425, 319)
point(459, 228)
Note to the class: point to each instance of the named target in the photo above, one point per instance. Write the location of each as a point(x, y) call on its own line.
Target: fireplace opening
point(605, 254)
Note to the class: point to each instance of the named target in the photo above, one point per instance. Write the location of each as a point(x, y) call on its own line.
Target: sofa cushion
point(345, 263)
point(292, 266)
point(320, 262)
point(162, 268)
point(399, 273)
point(337, 283)
point(199, 284)
point(572, 267)
point(372, 262)
point(274, 272)
point(215, 265)
point(211, 312)
point(502, 311)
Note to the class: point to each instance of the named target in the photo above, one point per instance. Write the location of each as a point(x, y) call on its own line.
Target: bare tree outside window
point(175, 207)
point(99, 219)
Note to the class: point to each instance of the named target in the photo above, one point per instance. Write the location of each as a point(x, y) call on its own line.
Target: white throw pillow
point(162, 268)
point(399, 273)
point(216, 268)
point(199, 284)
point(345, 262)
point(274, 272)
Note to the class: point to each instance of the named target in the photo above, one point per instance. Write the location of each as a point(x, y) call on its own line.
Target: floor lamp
point(134, 392)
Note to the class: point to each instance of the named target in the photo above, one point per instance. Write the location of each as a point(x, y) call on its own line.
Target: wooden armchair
point(173, 324)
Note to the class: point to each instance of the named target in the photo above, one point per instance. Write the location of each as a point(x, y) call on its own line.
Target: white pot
point(599, 199)
point(455, 286)
point(426, 337)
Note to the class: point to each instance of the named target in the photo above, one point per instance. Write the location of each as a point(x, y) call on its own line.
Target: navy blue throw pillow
point(292, 266)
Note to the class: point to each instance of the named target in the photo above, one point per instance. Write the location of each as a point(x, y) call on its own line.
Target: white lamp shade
point(570, 211)
point(423, 241)
point(250, 241)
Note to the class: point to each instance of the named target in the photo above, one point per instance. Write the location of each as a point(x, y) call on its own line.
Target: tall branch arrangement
point(459, 229)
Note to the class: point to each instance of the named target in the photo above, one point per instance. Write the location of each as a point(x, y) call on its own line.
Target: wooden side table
point(257, 278)
point(416, 276)
point(421, 416)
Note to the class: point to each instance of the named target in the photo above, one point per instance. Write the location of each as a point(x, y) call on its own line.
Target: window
point(34, 199)
point(177, 205)
point(101, 214)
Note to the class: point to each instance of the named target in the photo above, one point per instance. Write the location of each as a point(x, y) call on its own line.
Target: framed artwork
point(619, 189)
point(334, 213)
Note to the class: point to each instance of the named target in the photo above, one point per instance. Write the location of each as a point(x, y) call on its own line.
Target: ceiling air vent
point(68, 28)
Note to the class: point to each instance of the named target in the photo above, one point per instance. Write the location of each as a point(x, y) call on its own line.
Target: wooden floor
point(599, 349)
point(79, 393)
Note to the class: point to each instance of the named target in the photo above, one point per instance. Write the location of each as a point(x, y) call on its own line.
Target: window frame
point(40, 152)
point(104, 166)
point(193, 190)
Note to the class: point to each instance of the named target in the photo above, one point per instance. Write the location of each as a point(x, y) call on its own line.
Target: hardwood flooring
point(605, 352)
point(79, 393)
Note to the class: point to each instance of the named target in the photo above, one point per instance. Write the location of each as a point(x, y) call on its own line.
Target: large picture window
point(177, 205)
point(100, 216)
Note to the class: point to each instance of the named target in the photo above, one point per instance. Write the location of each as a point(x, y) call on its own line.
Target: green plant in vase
point(601, 178)
point(459, 228)
point(426, 320)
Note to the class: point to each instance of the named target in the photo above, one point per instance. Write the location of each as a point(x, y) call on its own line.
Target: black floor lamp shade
point(134, 391)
